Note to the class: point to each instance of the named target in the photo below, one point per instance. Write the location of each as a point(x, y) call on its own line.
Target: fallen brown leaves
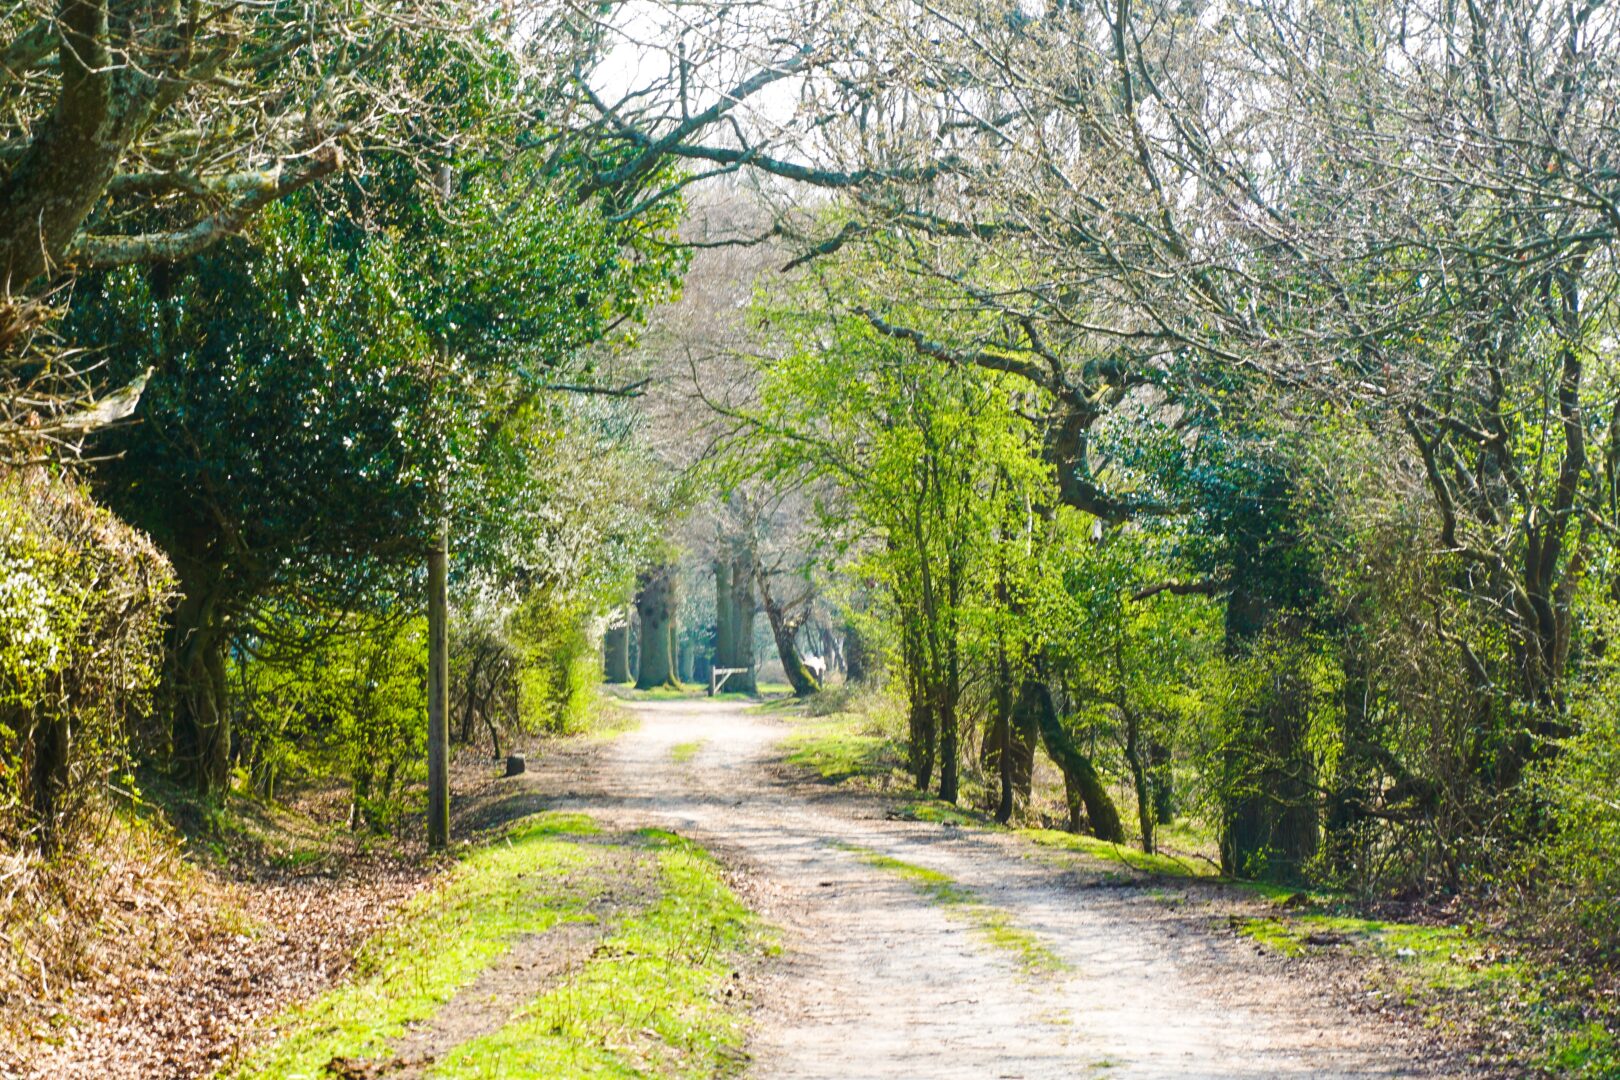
point(177, 963)
point(187, 963)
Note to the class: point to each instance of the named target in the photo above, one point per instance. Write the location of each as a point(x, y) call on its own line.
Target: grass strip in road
point(682, 753)
point(536, 875)
point(661, 998)
point(990, 923)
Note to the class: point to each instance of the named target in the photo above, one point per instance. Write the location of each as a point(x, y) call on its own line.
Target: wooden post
point(438, 688)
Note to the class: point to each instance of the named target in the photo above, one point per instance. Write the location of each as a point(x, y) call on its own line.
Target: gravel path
point(881, 982)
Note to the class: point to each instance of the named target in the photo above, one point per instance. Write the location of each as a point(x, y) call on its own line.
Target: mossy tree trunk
point(616, 653)
point(1084, 785)
point(725, 627)
point(857, 664)
point(1269, 822)
point(1136, 756)
point(736, 648)
point(194, 679)
point(785, 631)
point(655, 607)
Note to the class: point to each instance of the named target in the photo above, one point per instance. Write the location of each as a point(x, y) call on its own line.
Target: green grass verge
point(990, 923)
point(537, 875)
point(1454, 975)
point(1168, 865)
point(681, 753)
point(841, 748)
point(774, 689)
point(936, 812)
point(656, 999)
point(652, 1002)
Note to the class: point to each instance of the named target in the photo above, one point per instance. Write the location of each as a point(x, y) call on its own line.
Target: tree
point(931, 457)
point(140, 132)
point(657, 602)
point(290, 448)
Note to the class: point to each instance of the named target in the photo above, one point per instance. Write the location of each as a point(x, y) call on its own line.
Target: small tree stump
point(515, 763)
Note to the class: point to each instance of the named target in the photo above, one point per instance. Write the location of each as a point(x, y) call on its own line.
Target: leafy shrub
point(351, 702)
point(82, 599)
point(1580, 785)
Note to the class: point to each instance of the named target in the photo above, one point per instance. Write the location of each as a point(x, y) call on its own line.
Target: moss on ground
point(843, 747)
point(681, 753)
point(651, 1001)
point(936, 812)
point(992, 924)
point(658, 999)
point(1167, 865)
point(1455, 977)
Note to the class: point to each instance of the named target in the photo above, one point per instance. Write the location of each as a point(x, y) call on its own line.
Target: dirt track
point(880, 982)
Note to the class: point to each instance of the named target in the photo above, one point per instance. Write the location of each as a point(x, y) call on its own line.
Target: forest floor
point(695, 897)
point(925, 949)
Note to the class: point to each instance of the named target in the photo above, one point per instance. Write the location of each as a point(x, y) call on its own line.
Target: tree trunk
point(57, 182)
point(684, 658)
point(1136, 758)
point(857, 666)
point(616, 653)
point(655, 606)
point(725, 627)
point(998, 747)
point(742, 622)
point(438, 691)
point(785, 631)
point(920, 740)
point(195, 689)
point(1270, 826)
point(1086, 786)
point(1162, 780)
point(950, 757)
point(674, 644)
point(924, 732)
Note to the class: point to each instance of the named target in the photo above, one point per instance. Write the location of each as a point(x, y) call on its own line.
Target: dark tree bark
point(950, 756)
point(616, 653)
point(997, 754)
point(736, 649)
point(655, 606)
point(683, 655)
point(1270, 815)
point(922, 729)
point(857, 666)
point(1035, 700)
point(785, 630)
point(1136, 756)
point(725, 632)
point(194, 679)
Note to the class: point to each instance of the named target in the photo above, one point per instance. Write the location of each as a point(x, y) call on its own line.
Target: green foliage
point(557, 665)
point(1582, 788)
point(82, 598)
point(351, 703)
point(660, 984)
point(657, 975)
point(937, 460)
